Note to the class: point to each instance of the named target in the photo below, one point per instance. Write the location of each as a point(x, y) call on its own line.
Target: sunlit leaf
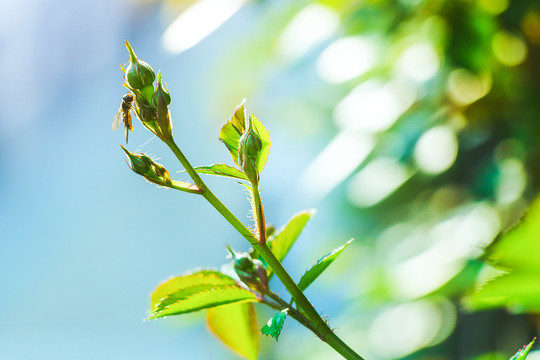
point(519, 247)
point(221, 170)
point(282, 241)
point(516, 252)
point(518, 290)
point(264, 135)
point(522, 353)
point(233, 129)
point(197, 291)
point(313, 273)
point(275, 324)
point(236, 326)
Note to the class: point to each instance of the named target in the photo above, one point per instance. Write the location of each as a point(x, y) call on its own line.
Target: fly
point(124, 114)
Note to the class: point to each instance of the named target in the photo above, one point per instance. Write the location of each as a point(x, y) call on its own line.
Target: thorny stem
point(317, 323)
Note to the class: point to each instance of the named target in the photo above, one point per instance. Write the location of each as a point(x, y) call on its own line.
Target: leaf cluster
point(229, 298)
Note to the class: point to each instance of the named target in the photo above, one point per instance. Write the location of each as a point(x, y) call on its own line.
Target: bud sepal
point(139, 74)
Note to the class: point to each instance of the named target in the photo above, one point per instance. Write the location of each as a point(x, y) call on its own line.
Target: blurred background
point(411, 125)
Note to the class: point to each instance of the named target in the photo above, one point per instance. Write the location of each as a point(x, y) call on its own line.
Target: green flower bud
point(143, 165)
point(162, 111)
point(138, 73)
point(248, 152)
point(160, 88)
point(250, 271)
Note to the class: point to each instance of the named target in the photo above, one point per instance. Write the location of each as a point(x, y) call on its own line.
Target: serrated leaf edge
point(156, 314)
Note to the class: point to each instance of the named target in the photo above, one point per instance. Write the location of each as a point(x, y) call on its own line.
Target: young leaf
point(221, 170)
point(233, 129)
point(264, 136)
point(275, 324)
point(522, 353)
point(281, 243)
point(313, 273)
point(236, 326)
point(197, 291)
point(202, 277)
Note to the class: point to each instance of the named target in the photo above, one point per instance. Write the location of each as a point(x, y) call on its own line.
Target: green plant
point(229, 296)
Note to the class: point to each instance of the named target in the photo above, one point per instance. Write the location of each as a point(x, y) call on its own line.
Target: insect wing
point(117, 119)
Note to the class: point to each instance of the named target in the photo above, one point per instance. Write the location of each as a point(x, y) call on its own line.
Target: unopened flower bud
point(143, 165)
point(139, 74)
point(162, 90)
point(250, 271)
point(248, 152)
point(161, 99)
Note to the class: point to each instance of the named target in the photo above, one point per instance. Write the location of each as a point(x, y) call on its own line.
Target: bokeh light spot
point(419, 62)
point(405, 328)
point(373, 106)
point(464, 87)
point(530, 25)
point(509, 49)
point(346, 59)
point(512, 181)
point(308, 28)
point(376, 181)
point(335, 163)
point(197, 22)
point(493, 7)
point(436, 150)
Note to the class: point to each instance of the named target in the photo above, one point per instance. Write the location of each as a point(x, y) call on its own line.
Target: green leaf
point(313, 273)
point(282, 241)
point(264, 135)
point(197, 291)
point(519, 247)
point(516, 253)
point(275, 324)
point(236, 326)
point(518, 290)
point(221, 170)
point(522, 353)
point(233, 129)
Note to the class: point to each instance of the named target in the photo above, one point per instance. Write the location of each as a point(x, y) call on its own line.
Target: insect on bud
point(248, 152)
point(138, 74)
point(143, 165)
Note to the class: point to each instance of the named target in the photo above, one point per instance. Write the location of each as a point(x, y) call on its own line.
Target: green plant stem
point(210, 197)
point(259, 212)
point(319, 324)
point(322, 327)
point(183, 186)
